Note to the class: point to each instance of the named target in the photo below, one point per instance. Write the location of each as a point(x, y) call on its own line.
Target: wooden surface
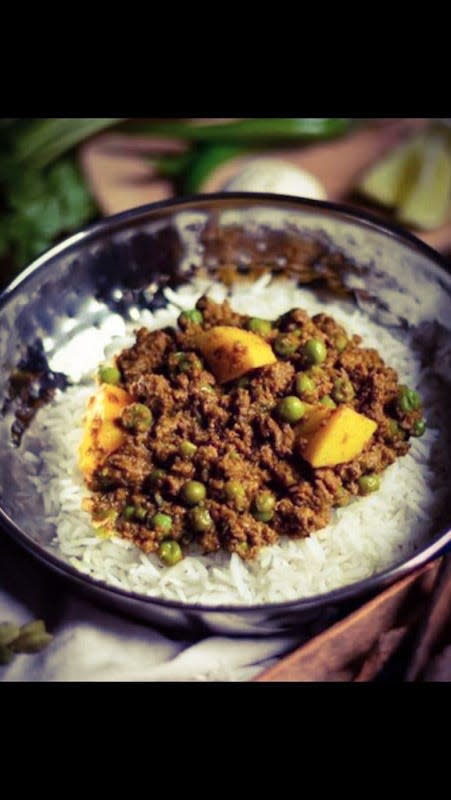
point(121, 175)
point(358, 647)
point(436, 620)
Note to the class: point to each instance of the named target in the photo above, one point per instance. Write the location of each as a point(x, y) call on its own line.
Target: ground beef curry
point(185, 450)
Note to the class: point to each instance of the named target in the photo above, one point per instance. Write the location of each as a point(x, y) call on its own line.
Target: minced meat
point(227, 438)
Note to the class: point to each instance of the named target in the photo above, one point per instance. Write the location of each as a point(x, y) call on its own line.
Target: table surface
point(122, 176)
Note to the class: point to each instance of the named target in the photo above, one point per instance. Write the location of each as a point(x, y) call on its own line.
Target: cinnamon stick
point(331, 655)
point(436, 619)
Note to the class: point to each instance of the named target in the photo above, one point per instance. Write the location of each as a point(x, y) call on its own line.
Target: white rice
point(363, 539)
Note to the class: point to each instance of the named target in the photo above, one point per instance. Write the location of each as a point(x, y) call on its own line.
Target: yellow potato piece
point(335, 437)
point(102, 435)
point(231, 352)
point(312, 419)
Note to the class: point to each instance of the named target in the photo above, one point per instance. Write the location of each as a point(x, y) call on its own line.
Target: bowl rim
point(441, 541)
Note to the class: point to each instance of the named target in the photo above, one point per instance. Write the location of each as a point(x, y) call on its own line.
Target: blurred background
point(59, 174)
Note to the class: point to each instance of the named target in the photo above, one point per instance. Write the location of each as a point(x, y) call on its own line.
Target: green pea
point(170, 552)
point(242, 548)
point(290, 409)
point(415, 400)
point(129, 512)
point(109, 375)
point(314, 351)
point(162, 522)
point(193, 363)
point(185, 364)
point(236, 493)
point(328, 402)
point(285, 344)
point(342, 497)
point(187, 449)
point(316, 373)
point(200, 519)
point(192, 315)
point(194, 492)
point(419, 427)
point(343, 391)
point(140, 513)
point(262, 327)
point(403, 401)
point(369, 483)
point(157, 475)
point(263, 506)
point(265, 502)
point(304, 384)
point(395, 431)
point(341, 342)
point(137, 417)
point(262, 516)
point(408, 399)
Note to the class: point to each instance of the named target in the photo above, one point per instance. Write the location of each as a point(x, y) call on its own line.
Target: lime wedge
point(390, 179)
point(426, 204)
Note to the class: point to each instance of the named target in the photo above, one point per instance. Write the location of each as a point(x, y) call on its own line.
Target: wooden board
point(121, 175)
point(353, 649)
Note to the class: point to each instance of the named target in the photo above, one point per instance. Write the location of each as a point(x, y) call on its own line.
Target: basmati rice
point(363, 539)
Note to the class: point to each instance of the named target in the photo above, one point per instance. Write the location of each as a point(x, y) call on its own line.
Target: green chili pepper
point(247, 130)
point(205, 161)
point(192, 168)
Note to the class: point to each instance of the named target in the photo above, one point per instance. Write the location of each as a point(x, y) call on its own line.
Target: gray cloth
point(91, 644)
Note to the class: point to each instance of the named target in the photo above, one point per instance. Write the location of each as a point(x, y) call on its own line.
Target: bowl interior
point(64, 309)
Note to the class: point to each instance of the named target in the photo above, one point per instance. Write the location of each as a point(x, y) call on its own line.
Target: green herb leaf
point(43, 206)
point(244, 130)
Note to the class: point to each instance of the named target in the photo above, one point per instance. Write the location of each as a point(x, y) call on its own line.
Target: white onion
point(278, 176)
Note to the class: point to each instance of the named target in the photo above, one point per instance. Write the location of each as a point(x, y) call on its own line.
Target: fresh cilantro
point(43, 205)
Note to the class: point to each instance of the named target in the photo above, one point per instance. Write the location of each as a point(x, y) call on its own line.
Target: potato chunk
point(312, 419)
point(329, 437)
point(101, 434)
point(231, 352)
